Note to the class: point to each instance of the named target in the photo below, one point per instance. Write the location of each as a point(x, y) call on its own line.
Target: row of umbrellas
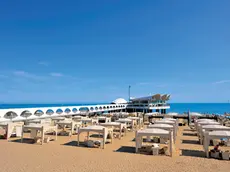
point(26, 113)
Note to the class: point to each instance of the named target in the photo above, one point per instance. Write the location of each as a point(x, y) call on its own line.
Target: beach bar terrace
point(153, 103)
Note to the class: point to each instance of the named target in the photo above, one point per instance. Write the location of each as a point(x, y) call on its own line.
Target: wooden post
point(188, 117)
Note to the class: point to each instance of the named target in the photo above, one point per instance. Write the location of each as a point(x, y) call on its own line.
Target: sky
point(91, 51)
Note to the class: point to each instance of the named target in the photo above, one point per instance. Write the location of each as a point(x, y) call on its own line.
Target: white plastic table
point(127, 121)
point(98, 129)
point(10, 127)
point(91, 121)
point(39, 127)
point(139, 120)
point(103, 119)
point(115, 125)
point(70, 123)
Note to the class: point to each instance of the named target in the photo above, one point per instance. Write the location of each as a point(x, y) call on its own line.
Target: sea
point(208, 108)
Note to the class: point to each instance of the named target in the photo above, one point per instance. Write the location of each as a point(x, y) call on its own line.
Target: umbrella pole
point(188, 118)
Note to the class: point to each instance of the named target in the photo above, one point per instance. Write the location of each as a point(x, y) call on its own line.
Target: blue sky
point(90, 51)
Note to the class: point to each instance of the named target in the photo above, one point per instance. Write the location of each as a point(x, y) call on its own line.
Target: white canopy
point(172, 113)
point(153, 132)
point(214, 127)
point(208, 122)
point(214, 135)
point(152, 114)
point(220, 133)
point(165, 127)
point(124, 120)
point(169, 119)
point(94, 128)
point(164, 122)
point(207, 128)
point(160, 125)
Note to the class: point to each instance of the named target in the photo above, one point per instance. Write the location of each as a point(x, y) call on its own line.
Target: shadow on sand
point(74, 143)
point(28, 141)
point(81, 144)
point(25, 140)
point(146, 141)
point(193, 153)
point(189, 134)
point(126, 149)
point(191, 130)
point(194, 142)
point(96, 136)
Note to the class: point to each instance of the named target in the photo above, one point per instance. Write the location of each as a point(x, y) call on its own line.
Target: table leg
point(78, 136)
point(56, 134)
point(120, 131)
point(170, 142)
point(42, 134)
point(22, 134)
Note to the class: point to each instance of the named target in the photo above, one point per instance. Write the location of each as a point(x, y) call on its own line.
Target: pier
point(21, 114)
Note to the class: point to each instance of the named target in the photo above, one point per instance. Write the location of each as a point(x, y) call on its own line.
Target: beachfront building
point(153, 103)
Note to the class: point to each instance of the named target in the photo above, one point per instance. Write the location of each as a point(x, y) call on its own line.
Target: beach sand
point(63, 155)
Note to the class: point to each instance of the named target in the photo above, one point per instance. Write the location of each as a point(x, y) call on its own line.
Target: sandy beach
point(63, 155)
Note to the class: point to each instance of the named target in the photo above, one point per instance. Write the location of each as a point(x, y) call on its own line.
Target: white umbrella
point(195, 114)
point(172, 113)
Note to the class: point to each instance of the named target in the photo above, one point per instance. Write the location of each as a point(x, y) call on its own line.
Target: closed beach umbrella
point(39, 113)
point(195, 114)
point(26, 114)
point(49, 112)
point(10, 115)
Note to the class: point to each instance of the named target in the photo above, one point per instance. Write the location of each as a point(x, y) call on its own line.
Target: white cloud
point(27, 75)
point(222, 82)
point(56, 74)
point(43, 63)
point(21, 73)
